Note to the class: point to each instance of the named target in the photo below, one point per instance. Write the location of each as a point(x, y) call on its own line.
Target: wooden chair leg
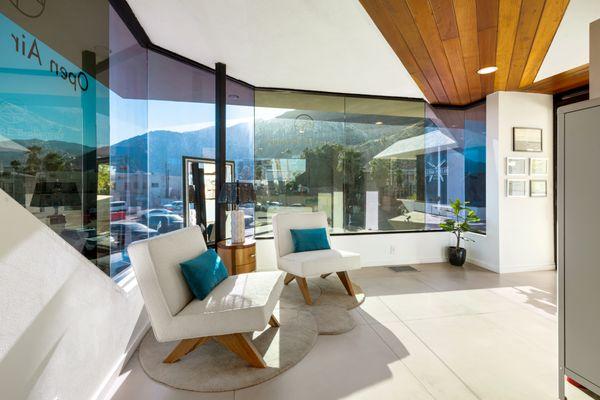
point(273, 322)
point(288, 278)
point(183, 348)
point(325, 275)
point(304, 289)
point(343, 275)
point(243, 347)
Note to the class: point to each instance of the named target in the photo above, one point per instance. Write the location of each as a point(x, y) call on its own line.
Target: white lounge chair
point(308, 264)
point(239, 304)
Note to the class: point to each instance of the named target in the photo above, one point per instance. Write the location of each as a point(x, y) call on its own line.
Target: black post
point(220, 138)
point(89, 143)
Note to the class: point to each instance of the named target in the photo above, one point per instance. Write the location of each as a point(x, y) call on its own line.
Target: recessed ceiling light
point(378, 123)
point(487, 70)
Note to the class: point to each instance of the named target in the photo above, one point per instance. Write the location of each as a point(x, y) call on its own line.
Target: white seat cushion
point(315, 263)
point(241, 303)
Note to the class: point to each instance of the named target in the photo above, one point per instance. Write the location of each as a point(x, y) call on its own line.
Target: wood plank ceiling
point(443, 43)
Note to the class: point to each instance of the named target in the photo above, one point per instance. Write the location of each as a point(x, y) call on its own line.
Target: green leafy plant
point(462, 216)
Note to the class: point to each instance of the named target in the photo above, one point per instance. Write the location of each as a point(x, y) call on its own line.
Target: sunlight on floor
point(439, 333)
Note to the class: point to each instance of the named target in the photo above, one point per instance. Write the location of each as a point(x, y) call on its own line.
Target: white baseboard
point(531, 268)
point(394, 261)
point(509, 270)
point(482, 264)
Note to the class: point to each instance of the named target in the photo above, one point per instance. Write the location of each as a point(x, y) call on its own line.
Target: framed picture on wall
point(516, 166)
point(538, 166)
point(527, 139)
point(538, 188)
point(516, 188)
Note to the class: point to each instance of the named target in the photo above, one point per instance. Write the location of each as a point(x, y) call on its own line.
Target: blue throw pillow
point(204, 273)
point(309, 239)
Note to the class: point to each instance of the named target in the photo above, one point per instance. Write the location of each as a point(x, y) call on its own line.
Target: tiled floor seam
point(432, 352)
point(400, 359)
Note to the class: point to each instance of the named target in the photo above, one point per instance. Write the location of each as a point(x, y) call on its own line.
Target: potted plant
point(462, 216)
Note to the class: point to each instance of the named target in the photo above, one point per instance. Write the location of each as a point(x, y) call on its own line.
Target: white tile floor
point(441, 333)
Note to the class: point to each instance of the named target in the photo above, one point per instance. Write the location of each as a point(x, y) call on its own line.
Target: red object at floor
point(575, 383)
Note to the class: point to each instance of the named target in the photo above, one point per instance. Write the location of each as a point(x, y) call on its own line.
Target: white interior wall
point(375, 249)
point(520, 231)
point(595, 59)
point(66, 328)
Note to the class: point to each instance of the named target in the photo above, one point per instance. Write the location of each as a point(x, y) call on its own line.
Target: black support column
point(220, 140)
point(89, 167)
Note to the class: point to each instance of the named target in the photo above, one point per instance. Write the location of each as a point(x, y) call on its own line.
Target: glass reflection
point(371, 164)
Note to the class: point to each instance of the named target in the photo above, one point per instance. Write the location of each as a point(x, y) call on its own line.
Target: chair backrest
point(156, 265)
point(283, 222)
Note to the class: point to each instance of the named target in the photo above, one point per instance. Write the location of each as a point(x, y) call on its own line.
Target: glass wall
point(164, 126)
point(181, 124)
point(54, 117)
point(107, 142)
point(456, 170)
point(124, 171)
point(371, 164)
point(240, 142)
point(94, 128)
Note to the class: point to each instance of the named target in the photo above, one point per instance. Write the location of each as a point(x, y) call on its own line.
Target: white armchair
point(308, 264)
point(241, 303)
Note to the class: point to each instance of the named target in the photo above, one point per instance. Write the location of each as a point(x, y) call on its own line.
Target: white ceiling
point(327, 45)
point(570, 47)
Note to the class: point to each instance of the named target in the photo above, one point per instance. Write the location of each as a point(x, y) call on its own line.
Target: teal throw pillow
point(309, 239)
point(204, 273)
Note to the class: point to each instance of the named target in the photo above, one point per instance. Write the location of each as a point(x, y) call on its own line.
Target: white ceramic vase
point(238, 228)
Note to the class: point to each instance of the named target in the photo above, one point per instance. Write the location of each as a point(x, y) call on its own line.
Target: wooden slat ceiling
point(443, 43)
point(571, 79)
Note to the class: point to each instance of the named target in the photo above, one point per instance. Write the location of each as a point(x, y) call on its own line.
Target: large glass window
point(94, 128)
point(240, 142)
point(371, 164)
point(124, 175)
point(54, 117)
point(181, 124)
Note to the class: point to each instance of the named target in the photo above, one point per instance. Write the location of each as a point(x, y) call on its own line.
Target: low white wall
point(66, 328)
point(376, 249)
point(520, 231)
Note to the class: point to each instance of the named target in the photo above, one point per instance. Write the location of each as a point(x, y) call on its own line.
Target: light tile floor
point(440, 333)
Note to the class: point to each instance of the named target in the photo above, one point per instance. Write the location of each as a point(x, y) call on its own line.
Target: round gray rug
point(212, 368)
point(330, 303)
point(333, 293)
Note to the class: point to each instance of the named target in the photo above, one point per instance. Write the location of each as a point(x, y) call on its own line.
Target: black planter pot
point(457, 257)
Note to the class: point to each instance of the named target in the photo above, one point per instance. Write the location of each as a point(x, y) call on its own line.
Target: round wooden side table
point(239, 258)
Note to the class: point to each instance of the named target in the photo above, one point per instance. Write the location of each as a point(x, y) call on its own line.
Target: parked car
point(161, 222)
point(175, 206)
point(125, 232)
point(155, 211)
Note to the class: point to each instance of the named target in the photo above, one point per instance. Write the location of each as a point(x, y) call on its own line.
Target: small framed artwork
point(516, 188)
point(538, 188)
point(516, 166)
point(538, 166)
point(527, 139)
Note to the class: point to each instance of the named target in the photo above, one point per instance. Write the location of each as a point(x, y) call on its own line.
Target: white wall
point(595, 59)
point(376, 249)
point(66, 328)
point(520, 231)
